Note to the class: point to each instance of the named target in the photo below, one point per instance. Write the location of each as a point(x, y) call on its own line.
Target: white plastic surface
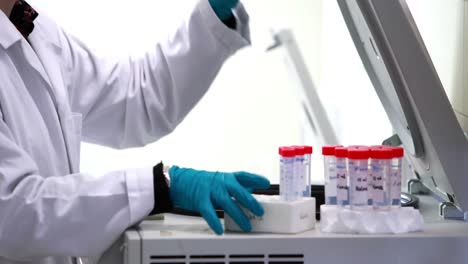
point(280, 216)
point(346, 221)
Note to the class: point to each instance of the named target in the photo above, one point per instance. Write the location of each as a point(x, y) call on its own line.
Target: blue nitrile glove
point(202, 191)
point(223, 8)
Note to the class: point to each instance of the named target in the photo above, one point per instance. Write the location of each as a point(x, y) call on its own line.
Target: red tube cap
point(308, 149)
point(378, 147)
point(358, 153)
point(341, 152)
point(287, 152)
point(358, 147)
point(330, 150)
point(398, 152)
point(300, 150)
point(381, 153)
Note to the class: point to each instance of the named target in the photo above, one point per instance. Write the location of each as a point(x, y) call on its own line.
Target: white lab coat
point(54, 92)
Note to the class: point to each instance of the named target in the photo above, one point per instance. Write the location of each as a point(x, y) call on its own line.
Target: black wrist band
point(231, 22)
point(162, 197)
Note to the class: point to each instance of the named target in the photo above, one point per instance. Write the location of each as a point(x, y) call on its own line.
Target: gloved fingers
point(236, 213)
point(209, 214)
point(173, 170)
point(252, 181)
point(245, 198)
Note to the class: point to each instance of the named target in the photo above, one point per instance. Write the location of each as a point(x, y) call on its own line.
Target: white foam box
point(280, 216)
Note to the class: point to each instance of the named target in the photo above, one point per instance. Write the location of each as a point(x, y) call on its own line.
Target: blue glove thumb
point(223, 8)
point(202, 191)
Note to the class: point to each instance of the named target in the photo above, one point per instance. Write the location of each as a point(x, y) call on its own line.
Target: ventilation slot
point(251, 259)
point(208, 259)
point(168, 257)
point(285, 262)
point(250, 262)
point(246, 256)
point(175, 259)
point(231, 259)
point(287, 256)
point(286, 259)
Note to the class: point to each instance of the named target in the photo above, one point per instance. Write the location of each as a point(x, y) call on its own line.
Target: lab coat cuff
point(140, 193)
point(233, 40)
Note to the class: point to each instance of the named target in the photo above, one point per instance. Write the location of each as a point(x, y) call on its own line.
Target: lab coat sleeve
point(71, 215)
point(134, 102)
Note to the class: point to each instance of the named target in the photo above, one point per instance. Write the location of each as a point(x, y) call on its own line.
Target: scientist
point(54, 92)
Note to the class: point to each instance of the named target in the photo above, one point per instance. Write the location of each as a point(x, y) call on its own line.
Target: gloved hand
point(223, 8)
point(202, 191)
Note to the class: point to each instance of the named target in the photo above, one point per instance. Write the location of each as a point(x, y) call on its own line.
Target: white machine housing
point(188, 240)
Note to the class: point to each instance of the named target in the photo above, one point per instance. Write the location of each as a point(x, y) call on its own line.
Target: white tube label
point(342, 185)
point(287, 178)
point(299, 179)
point(377, 191)
point(358, 174)
point(395, 182)
point(332, 181)
point(306, 172)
